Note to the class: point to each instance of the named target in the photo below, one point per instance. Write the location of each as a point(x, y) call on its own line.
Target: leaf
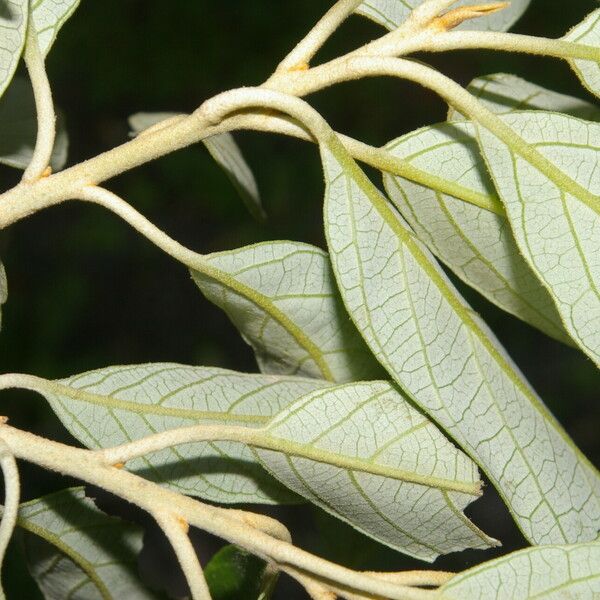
point(550, 572)
point(588, 33)
point(141, 121)
point(48, 17)
point(227, 154)
point(18, 128)
point(232, 574)
point(441, 353)
point(361, 452)
point(502, 93)
point(13, 27)
point(392, 13)
point(553, 206)
point(116, 405)
point(476, 243)
point(282, 297)
point(76, 551)
point(3, 289)
point(229, 157)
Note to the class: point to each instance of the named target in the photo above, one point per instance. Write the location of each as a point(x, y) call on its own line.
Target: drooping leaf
point(476, 243)
point(18, 128)
point(229, 157)
point(232, 574)
point(361, 452)
point(441, 353)
point(588, 33)
point(392, 13)
point(13, 27)
point(553, 206)
point(548, 572)
point(283, 299)
point(116, 405)
point(48, 17)
point(3, 289)
point(502, 93)
point(226, 153)
point(76, 551)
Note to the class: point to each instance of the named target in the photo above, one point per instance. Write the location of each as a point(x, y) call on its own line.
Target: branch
point(491, 40)
point(259, 438)
point(90, 467)
point(11, 501)
point(416, 578)
point(46, 117)
point(304, 51)
point(176, 529)
point(446, 88)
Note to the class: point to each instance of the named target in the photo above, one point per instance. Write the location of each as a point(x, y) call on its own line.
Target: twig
point(46, 117)
point(176, 529)
point(304, 51)
point(88, 466)
point(11, 501)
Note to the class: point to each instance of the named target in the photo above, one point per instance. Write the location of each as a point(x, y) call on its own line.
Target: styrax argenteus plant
point(381, 392)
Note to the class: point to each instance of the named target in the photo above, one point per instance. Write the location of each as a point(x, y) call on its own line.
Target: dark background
point(85, 291)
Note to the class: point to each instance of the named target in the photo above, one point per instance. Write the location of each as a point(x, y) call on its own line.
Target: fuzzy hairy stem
point(491, 40)
point(450, 91)
point(304, 51)
point(88, 466)
point(176, 529)
point(46, 117)
point(12, 491)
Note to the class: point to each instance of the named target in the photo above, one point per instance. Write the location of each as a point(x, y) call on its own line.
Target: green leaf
point(3, 289)
point(550, 572)
point(233, 574)
point(13, 27)
point(18, 128)
point(553, 206)
point(76, 551)
point(363, 453)
point(229, 157)
point(283, 299)
point(502, 93)
point(392, 13)
point(476, 243)
point(48, 17)
point(226, 153)
point(588, 33)
point(116, 405)
point(441, 353)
